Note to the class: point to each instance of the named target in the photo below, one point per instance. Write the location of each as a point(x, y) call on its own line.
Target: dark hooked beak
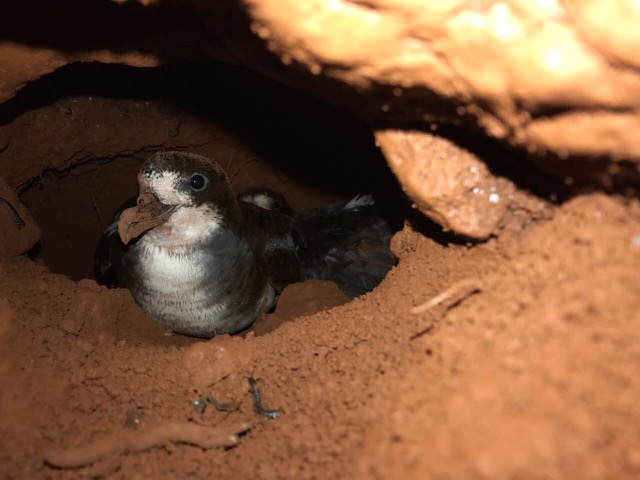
point(148, 214)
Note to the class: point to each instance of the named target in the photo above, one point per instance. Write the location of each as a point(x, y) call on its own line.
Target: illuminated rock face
point(455, 189)
point(520, 70)
point(545, 77)
point(514, 357)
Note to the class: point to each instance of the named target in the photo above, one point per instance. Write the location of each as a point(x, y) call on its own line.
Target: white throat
point(186, 227)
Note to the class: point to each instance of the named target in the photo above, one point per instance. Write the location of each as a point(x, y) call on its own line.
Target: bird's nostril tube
point(146, 199)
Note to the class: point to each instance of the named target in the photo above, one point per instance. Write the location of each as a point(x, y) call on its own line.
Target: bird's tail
point(347, 243)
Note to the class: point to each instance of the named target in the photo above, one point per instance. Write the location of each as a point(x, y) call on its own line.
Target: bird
point(345, 242)
point(203, 261)
point(195, 258)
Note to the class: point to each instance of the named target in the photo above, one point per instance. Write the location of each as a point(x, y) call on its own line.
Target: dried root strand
point(257, 397)
point(131, 441)
point(454, 294)
point(14, 213)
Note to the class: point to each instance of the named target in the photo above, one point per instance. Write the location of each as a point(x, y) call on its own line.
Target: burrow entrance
point(100, 122)
point(371, 387)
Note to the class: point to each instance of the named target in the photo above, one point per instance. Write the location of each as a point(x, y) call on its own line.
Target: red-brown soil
point(534, 376)
point(528, 366)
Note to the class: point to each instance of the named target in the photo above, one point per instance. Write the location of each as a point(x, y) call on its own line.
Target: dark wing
point(109, 247)
point(276, 241)
point(346, 243)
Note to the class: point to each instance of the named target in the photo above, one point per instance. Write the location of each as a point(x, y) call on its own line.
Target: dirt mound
point(535, 375)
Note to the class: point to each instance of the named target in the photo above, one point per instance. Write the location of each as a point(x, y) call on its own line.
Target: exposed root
point(121, 442)
point(13, 212)
point(257, 397)
point(455, 294)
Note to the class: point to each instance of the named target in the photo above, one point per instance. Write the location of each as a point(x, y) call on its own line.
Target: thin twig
point(95, 190)
point(131, 441)
point(200, 404)
point(103, 224)
point(459, 291)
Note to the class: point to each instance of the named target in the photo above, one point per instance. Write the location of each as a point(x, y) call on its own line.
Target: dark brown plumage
point(201, 261)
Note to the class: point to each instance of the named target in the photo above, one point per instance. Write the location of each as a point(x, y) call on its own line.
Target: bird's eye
point(197, 182)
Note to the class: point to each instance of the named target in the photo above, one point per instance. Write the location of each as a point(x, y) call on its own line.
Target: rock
point(522, 71)
point(454, 188)
point(549, 77)
point(17, 234)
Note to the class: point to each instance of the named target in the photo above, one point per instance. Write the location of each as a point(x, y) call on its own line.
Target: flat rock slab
point(455, 188)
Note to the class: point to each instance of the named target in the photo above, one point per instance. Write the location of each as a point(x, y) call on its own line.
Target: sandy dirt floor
point(518, 357)
point(527, 369)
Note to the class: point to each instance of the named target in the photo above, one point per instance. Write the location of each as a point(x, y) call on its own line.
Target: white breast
point(175, 288)
point(182, 286)
point(175, 292)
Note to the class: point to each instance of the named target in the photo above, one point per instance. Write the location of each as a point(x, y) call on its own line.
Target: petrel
point(203, 262)
point(347, 243)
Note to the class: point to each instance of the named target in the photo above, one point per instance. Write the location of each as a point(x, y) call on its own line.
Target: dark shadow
point(311, 140)
point(509, 162)
point(76, 26)
point(320, 146)
point(427, 227)
point(34, 252)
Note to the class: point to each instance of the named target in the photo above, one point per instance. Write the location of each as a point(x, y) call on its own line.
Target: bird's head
point(183, 196)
